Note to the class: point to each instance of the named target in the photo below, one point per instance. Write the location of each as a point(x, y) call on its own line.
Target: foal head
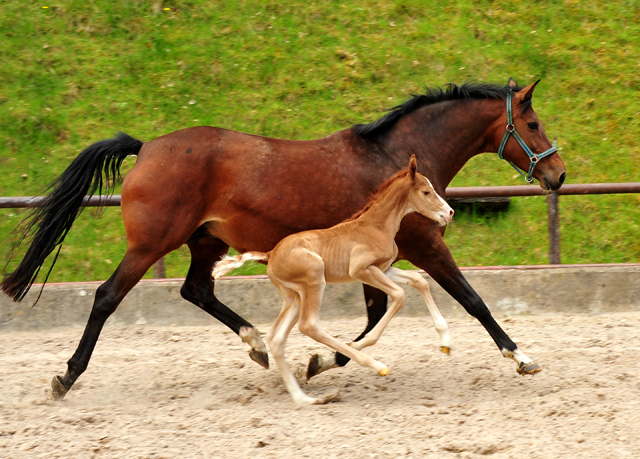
point(424, 199)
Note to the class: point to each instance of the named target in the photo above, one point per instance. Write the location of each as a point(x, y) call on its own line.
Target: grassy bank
point(75, 72)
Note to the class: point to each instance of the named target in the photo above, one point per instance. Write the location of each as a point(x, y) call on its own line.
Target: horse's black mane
point(433, 96)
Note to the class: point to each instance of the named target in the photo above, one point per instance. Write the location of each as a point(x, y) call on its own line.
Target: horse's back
point(250, 191)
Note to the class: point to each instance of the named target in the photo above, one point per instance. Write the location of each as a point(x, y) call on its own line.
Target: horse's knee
point(397, 297)
point(422, 284)
point(105, 303)
point(440, 324)
point(308, 328)
point(276, 345)
point(478, 309)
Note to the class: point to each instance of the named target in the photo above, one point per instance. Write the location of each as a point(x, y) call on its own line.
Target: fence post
point(158, 269)
point(554, 228)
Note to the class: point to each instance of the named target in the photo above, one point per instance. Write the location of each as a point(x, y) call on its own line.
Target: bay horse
point(212, 189)
point(361, 248)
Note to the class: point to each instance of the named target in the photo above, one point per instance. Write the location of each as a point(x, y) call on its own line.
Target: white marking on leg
point(517, 355)
point(252, 337)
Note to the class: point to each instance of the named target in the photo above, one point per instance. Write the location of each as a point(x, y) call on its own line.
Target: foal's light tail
point(228, 264)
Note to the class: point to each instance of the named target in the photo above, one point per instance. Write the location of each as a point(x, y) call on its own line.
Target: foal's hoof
point(260, 357)
point(445, 349)
point(58, 391)
point(528, 368)
point(384, 372)
point(329, 397)
point(314, 367)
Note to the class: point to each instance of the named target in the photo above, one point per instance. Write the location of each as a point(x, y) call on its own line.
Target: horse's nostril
point(562, 177)
point(451, 212)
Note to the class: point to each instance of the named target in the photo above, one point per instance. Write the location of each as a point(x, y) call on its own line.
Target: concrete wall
point(507, 291)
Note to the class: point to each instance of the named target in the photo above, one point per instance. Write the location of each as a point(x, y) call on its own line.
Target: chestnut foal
point(361, 248)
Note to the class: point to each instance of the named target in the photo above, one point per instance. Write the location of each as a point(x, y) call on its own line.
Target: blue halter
point(533, 158)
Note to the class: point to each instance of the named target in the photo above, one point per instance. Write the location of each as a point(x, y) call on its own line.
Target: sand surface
point(182, 392)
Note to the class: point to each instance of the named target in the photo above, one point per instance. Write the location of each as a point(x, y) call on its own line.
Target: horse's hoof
point(58, 391)
point(384, 372)
point(445, 349)
point(528, 368)
point(329, 397)
point(260, 357)
point(314, 367)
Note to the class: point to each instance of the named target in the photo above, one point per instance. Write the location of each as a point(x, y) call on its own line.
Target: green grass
point(77, 71)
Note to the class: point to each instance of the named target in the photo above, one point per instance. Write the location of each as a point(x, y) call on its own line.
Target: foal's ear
point(413, 166)
point(512, 83)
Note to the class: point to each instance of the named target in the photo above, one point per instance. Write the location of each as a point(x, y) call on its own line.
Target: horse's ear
point(527, 92)
point(413, 166)
point(512, 83)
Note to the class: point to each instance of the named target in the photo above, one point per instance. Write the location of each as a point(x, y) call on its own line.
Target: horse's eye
point(426, 193)
point(533, 126)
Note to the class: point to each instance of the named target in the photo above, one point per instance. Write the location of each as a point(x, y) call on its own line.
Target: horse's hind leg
point(311, 300)
point(198, 288)
point(415, 280)
point(108, 296)
point(376, 301)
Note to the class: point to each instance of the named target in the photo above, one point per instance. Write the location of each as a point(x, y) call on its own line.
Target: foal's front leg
point(415, 280)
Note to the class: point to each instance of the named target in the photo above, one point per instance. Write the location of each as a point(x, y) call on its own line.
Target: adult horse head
point(524, 142)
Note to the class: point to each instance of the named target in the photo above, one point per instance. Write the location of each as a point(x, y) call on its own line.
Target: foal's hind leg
point(311, 300)
point(198, 288)
point(415, 280)
point(372, 275)
point(108, 296)
point(376, 301)
point(277, 338)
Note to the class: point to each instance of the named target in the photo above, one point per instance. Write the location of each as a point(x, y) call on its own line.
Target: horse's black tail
point(48, 225)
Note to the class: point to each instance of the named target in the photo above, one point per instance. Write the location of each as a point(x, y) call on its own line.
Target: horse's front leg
point(422, 244)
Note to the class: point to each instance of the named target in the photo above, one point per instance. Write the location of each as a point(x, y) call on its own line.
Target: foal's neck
point(388, 208)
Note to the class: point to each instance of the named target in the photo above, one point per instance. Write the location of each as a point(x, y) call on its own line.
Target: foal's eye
point(426, 193)
point(533, 126)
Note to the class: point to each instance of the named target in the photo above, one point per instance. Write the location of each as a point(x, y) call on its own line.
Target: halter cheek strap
point(533, 158)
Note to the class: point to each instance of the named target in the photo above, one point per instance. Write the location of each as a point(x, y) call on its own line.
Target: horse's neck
point(386, 213)
point(445, 136)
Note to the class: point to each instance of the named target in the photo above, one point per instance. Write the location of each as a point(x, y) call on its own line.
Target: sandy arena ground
point(183, 392)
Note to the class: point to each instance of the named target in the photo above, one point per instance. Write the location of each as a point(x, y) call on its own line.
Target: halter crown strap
point(533, 158)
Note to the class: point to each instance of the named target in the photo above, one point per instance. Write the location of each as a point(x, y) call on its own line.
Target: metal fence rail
point(452, 192)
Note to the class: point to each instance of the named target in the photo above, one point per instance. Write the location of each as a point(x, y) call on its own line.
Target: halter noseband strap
point(533, 158)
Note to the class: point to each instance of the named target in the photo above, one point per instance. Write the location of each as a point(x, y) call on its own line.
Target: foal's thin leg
point(376, 301)
point(311, 300)
point(372, 275)
point(198, 288)
point(277, 338)
point(415, 280)
point(108, 296)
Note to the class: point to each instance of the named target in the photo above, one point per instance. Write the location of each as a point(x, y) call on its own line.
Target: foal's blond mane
point(381, 194)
